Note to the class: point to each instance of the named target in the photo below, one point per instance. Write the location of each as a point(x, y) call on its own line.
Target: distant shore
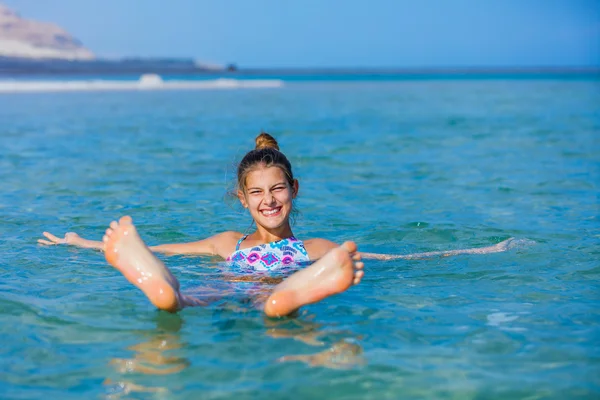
point(182, 67)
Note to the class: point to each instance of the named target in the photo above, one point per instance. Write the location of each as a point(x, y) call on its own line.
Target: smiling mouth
point(271, 212)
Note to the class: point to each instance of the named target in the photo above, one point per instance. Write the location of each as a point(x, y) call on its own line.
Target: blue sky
point(334, 33)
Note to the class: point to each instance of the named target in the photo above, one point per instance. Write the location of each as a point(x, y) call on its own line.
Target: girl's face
point(268, 196)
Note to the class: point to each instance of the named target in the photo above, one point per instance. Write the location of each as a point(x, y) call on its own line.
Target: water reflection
point(119, 389)
point(154, 356)
point(345, 353)
point(302, 330)
point(150, 358)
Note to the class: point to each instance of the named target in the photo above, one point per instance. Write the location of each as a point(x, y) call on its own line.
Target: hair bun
point(266, 141)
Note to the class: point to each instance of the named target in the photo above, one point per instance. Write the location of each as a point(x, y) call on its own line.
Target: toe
point(114, 225)
point(126, 220)
point(349, 246)
point(358, 277)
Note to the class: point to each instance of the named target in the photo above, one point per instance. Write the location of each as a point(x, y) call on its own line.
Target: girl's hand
point(71, 238)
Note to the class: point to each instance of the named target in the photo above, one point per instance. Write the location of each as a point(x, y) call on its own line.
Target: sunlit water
point(399, 167)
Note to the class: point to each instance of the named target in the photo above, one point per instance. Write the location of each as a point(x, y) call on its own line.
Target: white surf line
point(140, 85)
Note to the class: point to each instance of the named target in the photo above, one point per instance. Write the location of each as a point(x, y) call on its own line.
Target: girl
point(266, 187)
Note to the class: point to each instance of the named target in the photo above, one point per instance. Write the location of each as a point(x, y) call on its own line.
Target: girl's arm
point(211, 246)
point(505, 245)
point(72, 239)
point(217, 245)
point(317, 248)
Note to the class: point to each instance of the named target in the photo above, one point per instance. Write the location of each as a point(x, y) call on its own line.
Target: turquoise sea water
point(397, 166)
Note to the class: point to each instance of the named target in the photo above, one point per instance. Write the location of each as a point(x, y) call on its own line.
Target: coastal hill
point(28, 39)
point(30, 47)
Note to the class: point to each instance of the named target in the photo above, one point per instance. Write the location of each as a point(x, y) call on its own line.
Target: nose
point(269, 198)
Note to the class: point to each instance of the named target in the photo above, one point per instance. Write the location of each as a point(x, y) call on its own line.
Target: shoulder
point(317, 247)
point(225, 242)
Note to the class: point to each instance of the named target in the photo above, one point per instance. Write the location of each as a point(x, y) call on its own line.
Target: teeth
point(270, 212)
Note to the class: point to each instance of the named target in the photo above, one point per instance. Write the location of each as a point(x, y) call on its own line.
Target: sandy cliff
point(24, 38)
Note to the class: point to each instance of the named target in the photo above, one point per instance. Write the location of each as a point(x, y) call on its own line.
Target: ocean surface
point(399, 166)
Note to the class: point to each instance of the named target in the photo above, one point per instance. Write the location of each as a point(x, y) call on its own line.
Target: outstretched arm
point(210, 246)
point(72, 239)
point(497, 248)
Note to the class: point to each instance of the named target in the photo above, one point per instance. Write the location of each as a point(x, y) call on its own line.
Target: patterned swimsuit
point(277, 256)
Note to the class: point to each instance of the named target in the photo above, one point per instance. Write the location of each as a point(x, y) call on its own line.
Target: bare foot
point(127, 252)
point(339, 269)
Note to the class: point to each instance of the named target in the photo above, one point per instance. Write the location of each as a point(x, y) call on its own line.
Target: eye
point(255, 192)
point(279, 188)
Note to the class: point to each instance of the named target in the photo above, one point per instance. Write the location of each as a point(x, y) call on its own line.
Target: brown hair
point(267, 154)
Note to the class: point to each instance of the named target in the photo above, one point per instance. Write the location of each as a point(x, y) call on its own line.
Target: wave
point(146, 82)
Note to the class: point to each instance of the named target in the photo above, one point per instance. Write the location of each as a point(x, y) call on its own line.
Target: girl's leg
point(127, 252)
point(339, 269)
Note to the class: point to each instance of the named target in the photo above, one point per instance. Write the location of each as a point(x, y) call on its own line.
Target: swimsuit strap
point(237, 246)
